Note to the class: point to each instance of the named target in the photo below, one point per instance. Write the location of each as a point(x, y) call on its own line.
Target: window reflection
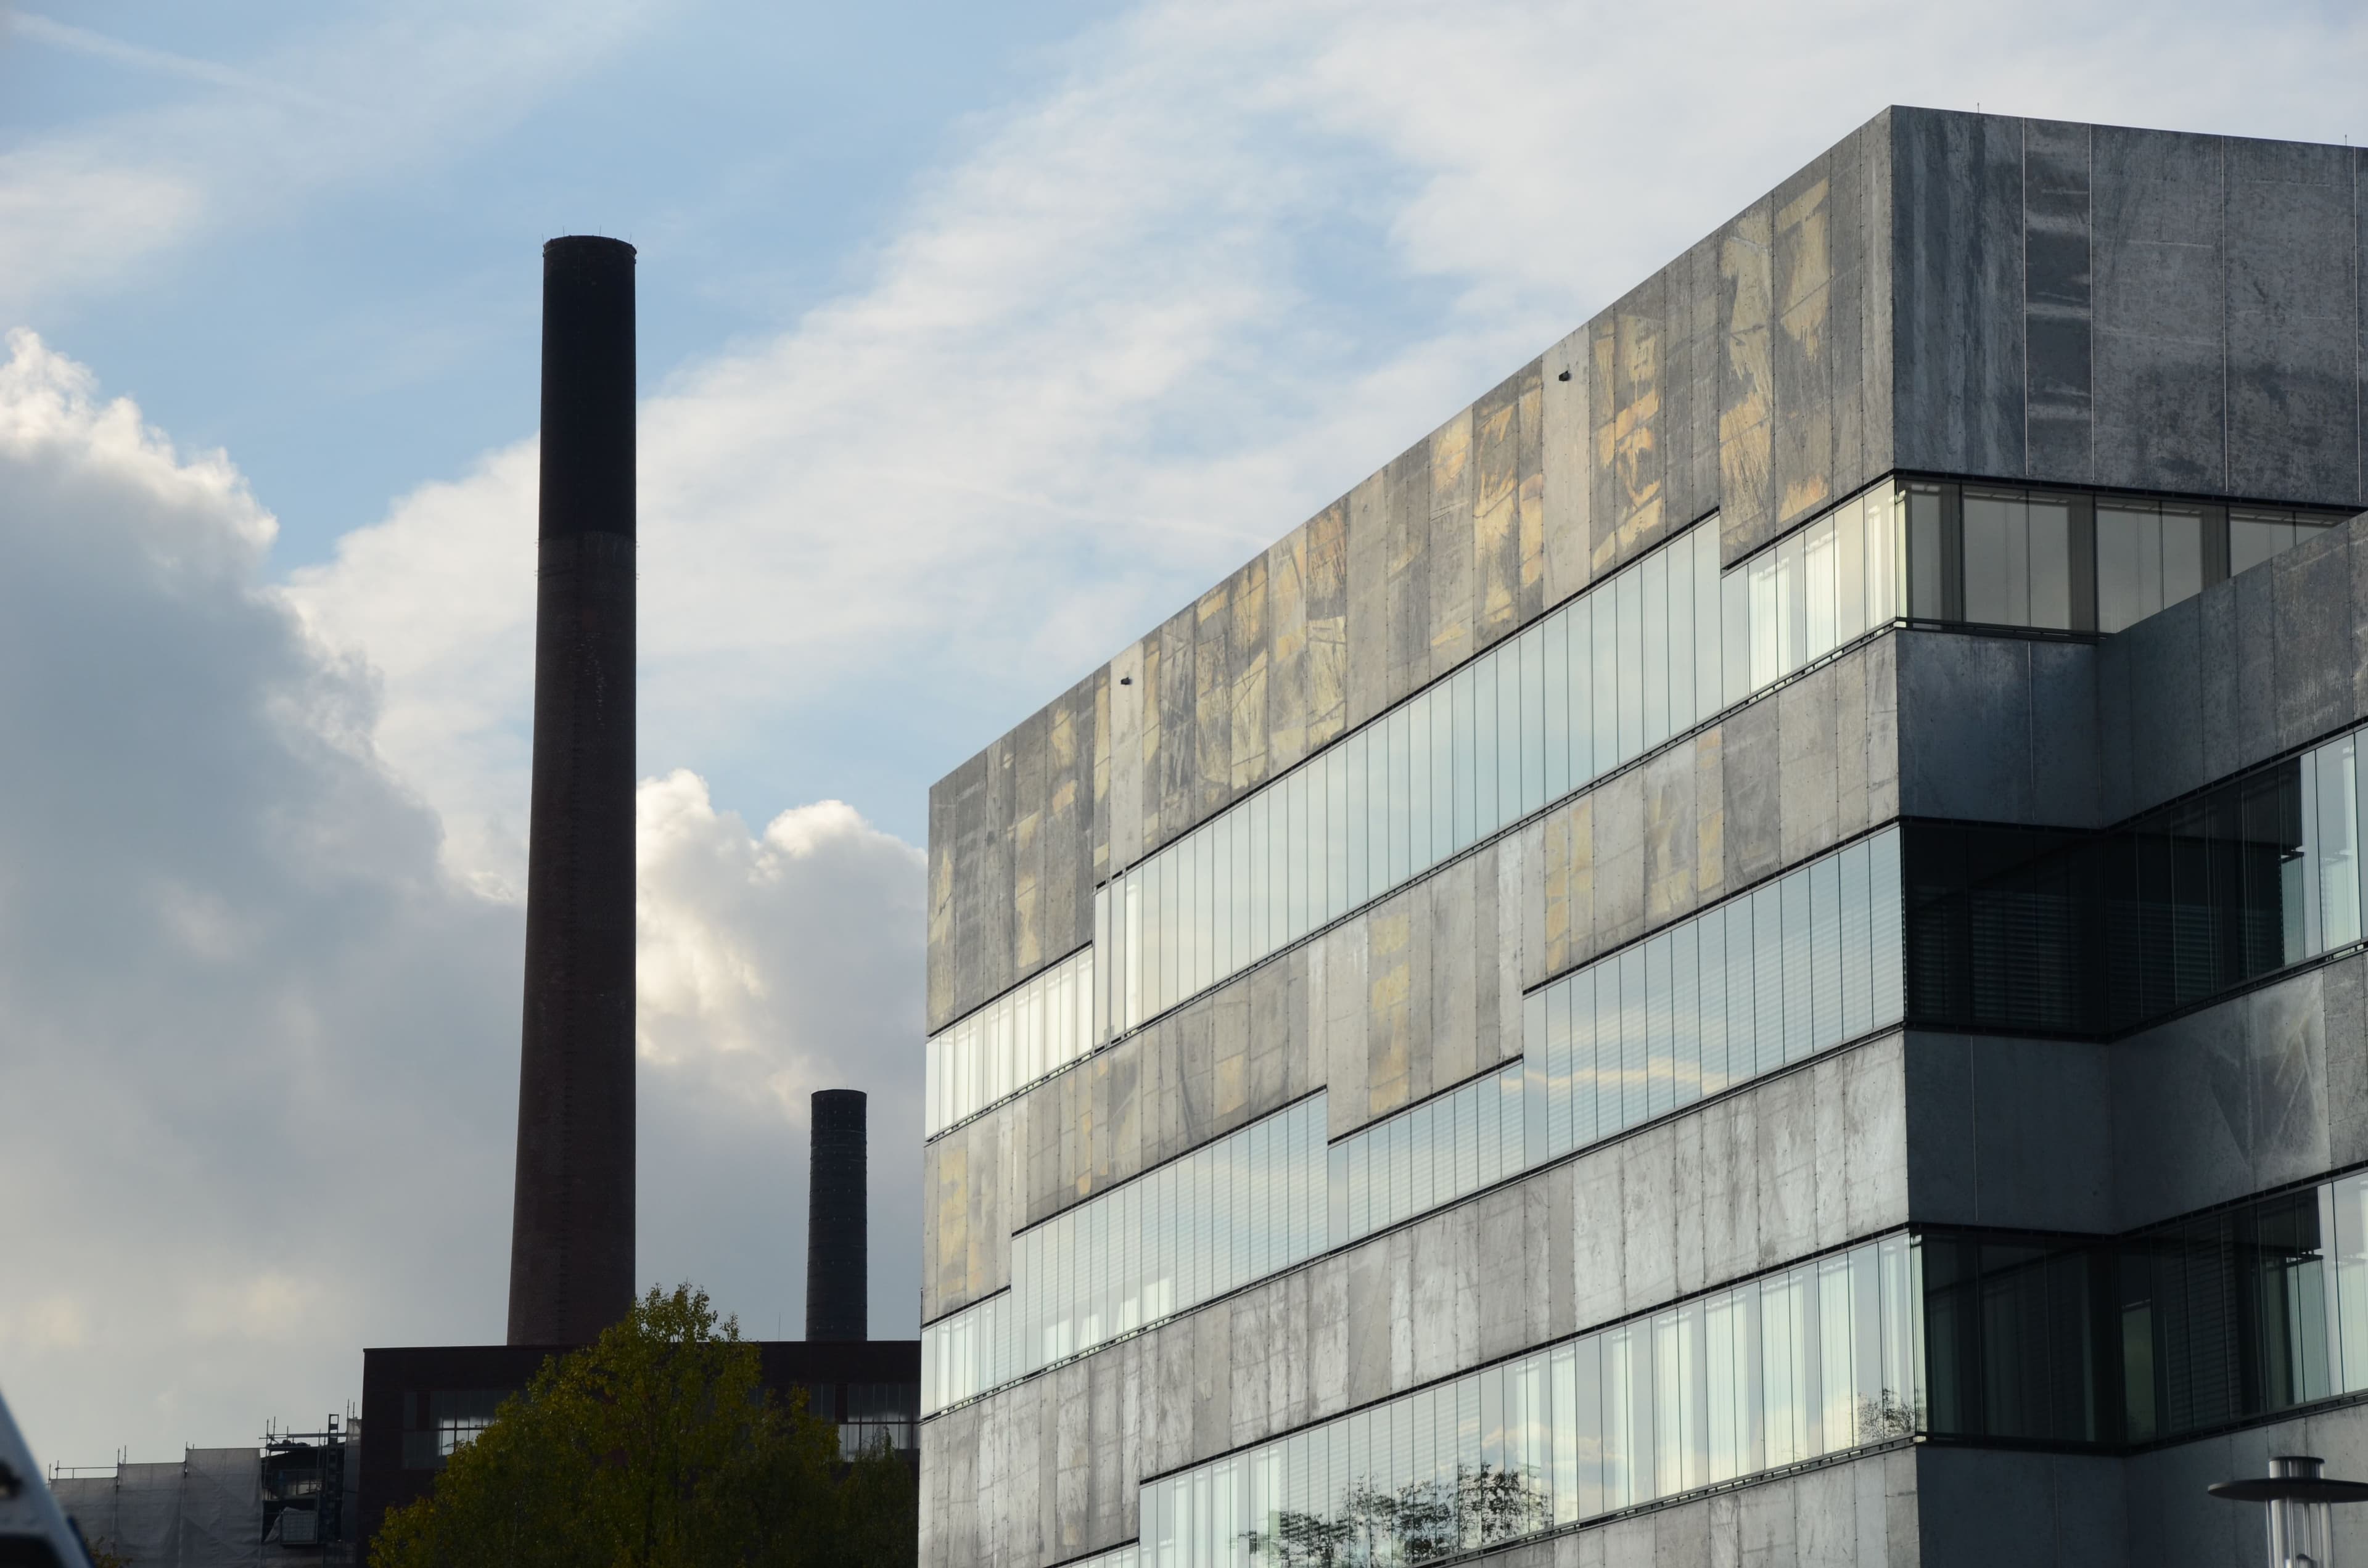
point(1775, 974)
point(1030, 1032)
point(1813, 1361)
point(2049, 930)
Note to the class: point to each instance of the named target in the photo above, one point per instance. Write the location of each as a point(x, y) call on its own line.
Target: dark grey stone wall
point(2140, 309)
point(2084, 735)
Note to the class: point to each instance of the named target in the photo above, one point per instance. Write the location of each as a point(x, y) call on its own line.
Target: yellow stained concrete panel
point(1149, 727)
point(1626, 391)
point(1366, 540)
point(1530, 500)
point(941, 925)
point(1804, 295)
point(1101, 775)
point(1669, 836)
point(1496, 519)
point(1125, 689)
point(1286, 653)
point(1746, 401)
point(1450, 623)
point(1325, 669)
point(1031, 745)
point(1564, 494)
point(1247, 667)
point(1213, 703)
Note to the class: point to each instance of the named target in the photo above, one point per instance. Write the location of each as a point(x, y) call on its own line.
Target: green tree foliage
point(657, 1448)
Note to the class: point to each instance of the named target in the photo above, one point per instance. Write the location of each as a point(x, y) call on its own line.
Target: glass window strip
point(1632, 1413)
point(1022, 1037)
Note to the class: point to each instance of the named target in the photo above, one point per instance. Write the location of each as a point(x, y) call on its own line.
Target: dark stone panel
point(1979, 1508)
point(2160, 415)
point(2064, 768)
point(1964, 727)
point(2166, 732)
point(2116, 786)
point(2181, 1121)
point(2311, 596)
point(2216, 678)
point(2346, 1013)
point(1938, 1075)
point(1957, 305)
point(2056, 299)
point(1875, 140)
point(2286, 1061)
point(2292, 382)
point(2257, 667)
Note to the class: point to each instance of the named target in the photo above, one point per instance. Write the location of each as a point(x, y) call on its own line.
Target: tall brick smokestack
point(572, 1227)
point(836, 1261)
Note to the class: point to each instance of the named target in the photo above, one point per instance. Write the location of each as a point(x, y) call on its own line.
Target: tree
point(659, 1447)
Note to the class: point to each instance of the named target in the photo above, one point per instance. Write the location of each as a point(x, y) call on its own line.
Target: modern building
point(1752, 953)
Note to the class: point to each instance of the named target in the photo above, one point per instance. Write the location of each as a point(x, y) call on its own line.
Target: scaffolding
point(223, 1508)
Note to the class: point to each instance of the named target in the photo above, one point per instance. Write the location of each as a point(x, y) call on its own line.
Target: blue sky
point(973, 341)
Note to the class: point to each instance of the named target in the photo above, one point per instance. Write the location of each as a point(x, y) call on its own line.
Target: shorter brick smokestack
point(836, 1250)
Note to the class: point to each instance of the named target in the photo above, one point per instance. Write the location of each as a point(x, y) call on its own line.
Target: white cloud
point(1127, 337)
point(257, 1089)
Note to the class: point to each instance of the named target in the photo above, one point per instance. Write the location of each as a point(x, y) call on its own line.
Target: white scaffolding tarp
point(203, 1511)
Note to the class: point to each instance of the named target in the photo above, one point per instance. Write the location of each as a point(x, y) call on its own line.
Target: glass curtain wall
point(2052, 931)
point(2181, 1329)
point(1816, 1359)
point(1649, 654)
point(1030, 1032)
point(1791, 968)
point(2065, 560)
point(1777, 974)
point(1444, 1149)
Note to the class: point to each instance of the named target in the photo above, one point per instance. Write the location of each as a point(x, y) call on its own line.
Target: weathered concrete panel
point(1959, 368)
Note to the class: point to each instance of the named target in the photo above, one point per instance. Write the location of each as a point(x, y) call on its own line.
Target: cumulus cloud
point(257, 1089)
point(773, 964)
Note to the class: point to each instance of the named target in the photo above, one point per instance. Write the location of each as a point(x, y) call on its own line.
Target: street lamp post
point(2300, 1498)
